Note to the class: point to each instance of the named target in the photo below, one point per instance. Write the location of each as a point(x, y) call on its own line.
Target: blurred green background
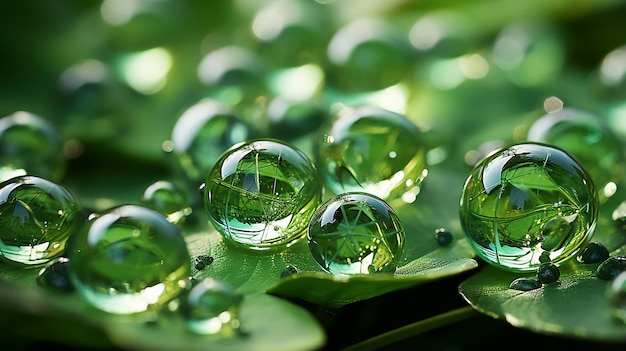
point(115, 75)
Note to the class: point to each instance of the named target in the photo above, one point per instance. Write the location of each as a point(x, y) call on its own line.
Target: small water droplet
point(211, 307)
point(525, 284)
point(548, 273)
point(611, 267)
point(443, 237)
point(289, 270)
point(594, 252)
point(201, 261)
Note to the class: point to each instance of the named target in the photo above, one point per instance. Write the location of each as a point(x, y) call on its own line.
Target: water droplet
point(594, 252)
point(55, 276)
point(212, 308)
point(261, 194)
point(443, 237)
point(611, 267)
point(26, 203)
point(528, 190)
point(356, 233)
point(525, 284)
point(129, 259)
point(548, 273)
point(30, 144)
point(169, 199)
point(201, 261)
point(356, 156)
point(289, 270)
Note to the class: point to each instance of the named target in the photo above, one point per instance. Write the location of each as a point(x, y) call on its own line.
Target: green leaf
point(574, 306)
point(335, 291)
point(291, 327)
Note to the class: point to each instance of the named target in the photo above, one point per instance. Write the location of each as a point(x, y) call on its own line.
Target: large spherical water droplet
point(356, 233)
point(201, 134)
point(261, 194)
point(30, 144)
point(372, 150)
point(589, 139)
point(212, 308)
point(37, 216)
point(129, 259)
point(525, 200)
point(169, 199)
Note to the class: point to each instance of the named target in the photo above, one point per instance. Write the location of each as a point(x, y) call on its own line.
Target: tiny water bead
point(356, 233)
point(261, 194)
point(201, 134)
point(201, 261)
point(548, 273)
point(169, 199)
point(37, 216)
point(594, 252)
point(589, 139)
point(611, 267)
point(211, 307)
point(129, 259)
point(524, 201)
point(30, 144)
point(372, 150)
point(525, 284)
point(443, 237)
point(289, 270)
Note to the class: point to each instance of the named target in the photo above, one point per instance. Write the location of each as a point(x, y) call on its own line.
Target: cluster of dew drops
point(236, 81)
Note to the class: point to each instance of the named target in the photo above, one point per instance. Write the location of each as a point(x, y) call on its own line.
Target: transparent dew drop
point(356, 233)
point(261, 194)
point(289, 270)
point(211, 307)
point(443, 237)
point(594, 252)
point(38, 217)
point(616, 296)
point(129, 259)
point(169, 199)
point(373, 150)
point(548, 273)
point(201, 261)
point(525, 284)
point(611, 267)
point(55, 276)
point(525, 200)
point(30, 144)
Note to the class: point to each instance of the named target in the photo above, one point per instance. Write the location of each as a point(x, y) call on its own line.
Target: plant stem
point(413, 329)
